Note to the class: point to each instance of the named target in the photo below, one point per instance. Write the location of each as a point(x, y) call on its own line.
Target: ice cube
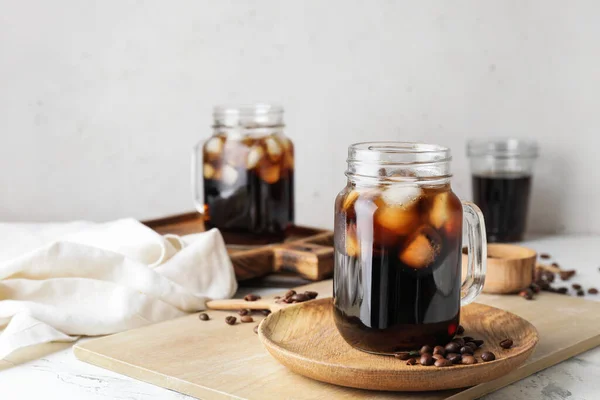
point(254, 156)
point(401, 195)
point(349, 200)
point(229, 175)
point(421, 248)
point(446, 214)
point(209, 171)
point(269, 173)
point(352, 246)
point(273, 149)
point(213, 148)
point(288, 159)
point(235, 153)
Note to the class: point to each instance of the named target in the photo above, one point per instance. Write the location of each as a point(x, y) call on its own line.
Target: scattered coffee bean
point(203, 316)
point(426, 349)
point(471, 345)
point(454, 358)
point(252, 297)
point(478, 342)
point(506, 344)
point(580, 293)
point(289, 293)
point(403, 355)
point(265, 312)
point(460, 341)
point(247, 318)
point(256, 329)
point(488, 356)
point(300, 297)
point(411, 361)
point(277, 297)
point(566, 275)
point(467, 339)
point(545, 256)
point(443, 363)
point(426, 359)
point(548, 276)
point(468, 360)
point(439, 350)
point(460, 330)
point(244, 311)
point(535, 288)
point(311, 295)
point(527, 294)
point(543, 284)
point(466, 350)
point(230, 320)
point(452, 347)
point(576, 286)
point(562, 290)
point(437, 356)
point(592, 290)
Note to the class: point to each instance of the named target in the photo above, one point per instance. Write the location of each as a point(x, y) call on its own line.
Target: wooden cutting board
point(212, 360)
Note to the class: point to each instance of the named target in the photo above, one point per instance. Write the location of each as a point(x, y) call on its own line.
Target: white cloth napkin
point(61, 281)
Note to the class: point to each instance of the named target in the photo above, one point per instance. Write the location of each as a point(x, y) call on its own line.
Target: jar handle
point(477, 253)
point(197, 187)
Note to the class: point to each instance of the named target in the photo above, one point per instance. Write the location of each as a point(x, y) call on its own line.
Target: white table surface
point(59, 375)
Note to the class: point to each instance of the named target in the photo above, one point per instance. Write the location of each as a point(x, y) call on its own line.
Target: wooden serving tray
point(306, 251)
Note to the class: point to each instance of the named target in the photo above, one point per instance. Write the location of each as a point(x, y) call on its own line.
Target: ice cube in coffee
point(248, 173)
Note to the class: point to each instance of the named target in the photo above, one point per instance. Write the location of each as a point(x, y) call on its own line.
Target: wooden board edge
point(139, 373)
point(526, 370)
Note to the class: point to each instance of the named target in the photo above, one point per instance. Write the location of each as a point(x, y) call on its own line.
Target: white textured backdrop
point(100, 102)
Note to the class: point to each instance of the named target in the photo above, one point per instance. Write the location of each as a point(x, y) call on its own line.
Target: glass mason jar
point(398, 246)
point(247, 170)
point(502, 170)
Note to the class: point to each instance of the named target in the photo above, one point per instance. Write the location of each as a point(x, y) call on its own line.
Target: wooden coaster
point(304, 339)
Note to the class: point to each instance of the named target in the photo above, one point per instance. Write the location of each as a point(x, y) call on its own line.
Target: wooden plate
point(304, 339)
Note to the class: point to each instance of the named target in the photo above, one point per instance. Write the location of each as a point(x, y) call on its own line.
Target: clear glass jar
point(247, 173)
point(398, 246)
point(502, 171)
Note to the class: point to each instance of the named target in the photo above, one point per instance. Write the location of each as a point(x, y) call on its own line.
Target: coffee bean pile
point(461, 350)
point(544, 278)
point(292, 297)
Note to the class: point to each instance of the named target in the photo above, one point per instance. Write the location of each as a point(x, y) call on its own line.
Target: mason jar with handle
point(398, 248)
point(243, 175)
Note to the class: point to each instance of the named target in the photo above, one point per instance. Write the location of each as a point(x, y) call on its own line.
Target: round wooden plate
point(304, 339)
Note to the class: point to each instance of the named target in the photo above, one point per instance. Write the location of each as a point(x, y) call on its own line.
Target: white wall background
point(100, 101)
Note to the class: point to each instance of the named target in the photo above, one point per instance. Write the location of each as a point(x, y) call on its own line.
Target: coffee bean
point(592, 290)
point(535, 288)
point(247, 318)
point(426, 349)
point(460, 330)
point(252, 297)
point(471, 345)
point(566, 275)
point(265, 312)
point(460, 341)
point(548, 276)
point(562, 290)
point(580, 293)
point(230, 320)
point(545, 256)
point(300, 297)
point(452, 347)
point(469, 360)
point(527, 294)
point(439, 350)
point(488, 356)
point(256, 329)
point(466, 350)
point(506, 344)
point(289, 293)
point(576, 286)
point(454, 358)
point(277, 297)
point(426, 359)
point(311, 295)
point(437, 356)
point(411, 361)
point(478, 342)
point(204, 317)
point(244, 311)
point(403, 355)
point(443, 363)
point(467, 339)
point(543, 285)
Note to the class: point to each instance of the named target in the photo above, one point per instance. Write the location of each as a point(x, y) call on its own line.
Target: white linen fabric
point(62, 281)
